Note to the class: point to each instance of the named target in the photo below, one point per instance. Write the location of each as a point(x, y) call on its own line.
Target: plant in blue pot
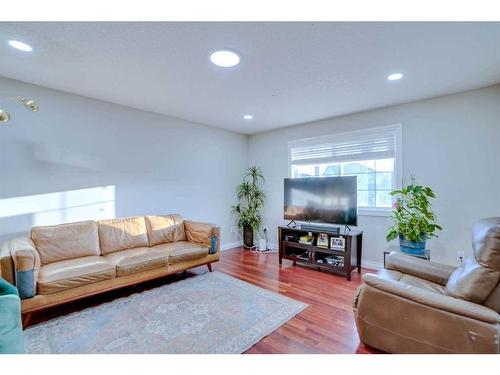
point(414, 221)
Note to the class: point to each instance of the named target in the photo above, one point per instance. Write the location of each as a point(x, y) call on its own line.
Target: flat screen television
point(329, 200)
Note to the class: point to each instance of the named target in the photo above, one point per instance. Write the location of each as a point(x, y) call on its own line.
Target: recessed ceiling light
point(395, 76)
point(248, 117)
point(20, 45)
point(225, 58)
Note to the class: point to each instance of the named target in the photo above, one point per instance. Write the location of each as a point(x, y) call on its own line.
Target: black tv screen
point(332, 200)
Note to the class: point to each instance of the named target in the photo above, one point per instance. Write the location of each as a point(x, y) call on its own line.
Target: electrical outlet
point(264, 228)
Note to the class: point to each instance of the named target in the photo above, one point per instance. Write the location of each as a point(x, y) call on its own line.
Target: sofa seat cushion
point(121, 234)
point(71, 273)
point(137, 260)
point(183, 251)
point(422, 284)
point(66, 241)
point(165, 228)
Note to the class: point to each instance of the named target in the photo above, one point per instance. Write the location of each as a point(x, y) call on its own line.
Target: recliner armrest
point(26, 266)
point(424, 269)
point(204, 233)
point(435, 300)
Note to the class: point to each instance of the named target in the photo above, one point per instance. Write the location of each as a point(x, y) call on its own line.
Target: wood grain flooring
point(326, 326)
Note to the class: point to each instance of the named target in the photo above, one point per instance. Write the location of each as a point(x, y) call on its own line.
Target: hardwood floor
point(326, 326)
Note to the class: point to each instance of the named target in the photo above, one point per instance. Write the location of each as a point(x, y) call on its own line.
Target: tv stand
point(312, 255)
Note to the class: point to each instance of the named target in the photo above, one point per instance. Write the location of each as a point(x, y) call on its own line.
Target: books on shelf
point(306, 239)
point(334, 260)
point(322, 240)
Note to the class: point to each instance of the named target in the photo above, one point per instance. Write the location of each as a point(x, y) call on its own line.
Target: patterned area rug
point(210, 313)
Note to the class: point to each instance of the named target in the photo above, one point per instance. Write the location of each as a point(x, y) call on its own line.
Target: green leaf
point(392, 233)
point(428, 191)
point(396, 192)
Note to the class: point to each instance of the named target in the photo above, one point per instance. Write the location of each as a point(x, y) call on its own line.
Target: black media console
point(342, 259)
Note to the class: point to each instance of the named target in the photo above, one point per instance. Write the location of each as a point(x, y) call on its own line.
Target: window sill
point(382, 212)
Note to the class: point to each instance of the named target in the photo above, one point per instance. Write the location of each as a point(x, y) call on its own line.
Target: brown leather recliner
point(417, 306)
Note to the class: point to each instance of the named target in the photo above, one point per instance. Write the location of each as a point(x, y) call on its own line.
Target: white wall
point(79, 158)
point(451, 143)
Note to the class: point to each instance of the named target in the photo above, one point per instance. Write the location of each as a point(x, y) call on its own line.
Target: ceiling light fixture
point(225, 58)
point(28, 103)
point(395, 76)
point(248, 117)
point(21, 46)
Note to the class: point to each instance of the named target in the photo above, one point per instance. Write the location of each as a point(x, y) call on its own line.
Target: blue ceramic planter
point(411, 247)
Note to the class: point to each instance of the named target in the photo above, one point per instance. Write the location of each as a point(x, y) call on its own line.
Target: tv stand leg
point(360, 248)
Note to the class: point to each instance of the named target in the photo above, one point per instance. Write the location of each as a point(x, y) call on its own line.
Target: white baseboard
point(230, 245)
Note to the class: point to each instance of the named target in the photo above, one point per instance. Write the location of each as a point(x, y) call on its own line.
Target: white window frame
point(398, 159)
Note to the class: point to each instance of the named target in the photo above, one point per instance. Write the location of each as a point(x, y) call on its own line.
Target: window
point(373, 155)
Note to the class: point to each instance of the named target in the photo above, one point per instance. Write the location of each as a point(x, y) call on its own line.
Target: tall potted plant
point(414, 221)
point(250, 201)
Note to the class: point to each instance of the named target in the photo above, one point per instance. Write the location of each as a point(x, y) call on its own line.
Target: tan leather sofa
point(417, 306)
point(61, 263)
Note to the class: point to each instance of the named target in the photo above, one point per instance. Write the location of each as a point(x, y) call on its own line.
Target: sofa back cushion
point(471, 281)
point(121, 234)
point(486, 242)
point(66, 241)
point(165, 228)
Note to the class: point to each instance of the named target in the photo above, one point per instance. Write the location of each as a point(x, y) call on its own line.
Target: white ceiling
point(290, 73)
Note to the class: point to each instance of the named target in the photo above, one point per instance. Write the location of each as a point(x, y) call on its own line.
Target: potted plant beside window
point(250, 201)
point(414, 221)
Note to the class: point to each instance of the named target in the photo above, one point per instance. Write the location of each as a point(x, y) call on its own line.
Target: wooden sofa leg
point(209, 265)
point(26, 317)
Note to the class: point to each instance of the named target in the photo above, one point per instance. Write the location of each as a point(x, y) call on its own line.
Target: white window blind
point(373, 155)
point(370, 144)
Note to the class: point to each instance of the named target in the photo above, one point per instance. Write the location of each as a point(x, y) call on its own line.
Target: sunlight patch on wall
point(61, 207)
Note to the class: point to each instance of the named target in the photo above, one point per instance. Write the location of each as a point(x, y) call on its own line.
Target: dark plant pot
point(248, 236)
point(412, 247)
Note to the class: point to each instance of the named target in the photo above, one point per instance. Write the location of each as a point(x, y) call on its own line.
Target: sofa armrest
point(26, 266)
point(431, 299)
point(204, 233)
point(6, 263)
point(424, 269)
